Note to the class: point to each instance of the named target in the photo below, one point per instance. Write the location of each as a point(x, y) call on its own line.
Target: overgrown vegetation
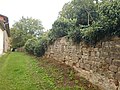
point(19, 71)
point(90, 21)
point(24, 29)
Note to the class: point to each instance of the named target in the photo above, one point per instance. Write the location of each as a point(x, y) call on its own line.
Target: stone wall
point(100, 65)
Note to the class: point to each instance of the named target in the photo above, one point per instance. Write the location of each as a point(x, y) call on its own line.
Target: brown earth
point(65, 76)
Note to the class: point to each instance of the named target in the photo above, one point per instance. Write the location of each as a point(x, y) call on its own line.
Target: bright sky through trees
point(45, 10)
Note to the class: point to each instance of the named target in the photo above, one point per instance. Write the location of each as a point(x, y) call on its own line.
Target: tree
point(24, 29)
point(82, 10)
point(110, 17)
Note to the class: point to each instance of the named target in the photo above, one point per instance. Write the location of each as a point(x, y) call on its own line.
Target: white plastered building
point(4, 34)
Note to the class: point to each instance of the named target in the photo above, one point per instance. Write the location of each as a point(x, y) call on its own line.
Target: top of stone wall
point(65, 41)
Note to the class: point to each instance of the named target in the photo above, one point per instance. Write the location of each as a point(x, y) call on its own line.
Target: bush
point(110, 18)
point(60, 28)
point(93, 35)
point(75, 35)
point(41, 47)
point(30, 45)
point(37, 46)
point(107, 26)
point(51, 37)
point(39, 50)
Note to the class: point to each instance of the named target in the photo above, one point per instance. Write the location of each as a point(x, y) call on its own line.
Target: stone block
point(98, 54)
point(119, 86)
point(116, 62)
point(116, 55)
point(117, 45)
point(80, 61)
point(105, 54)
point(93, 66)
point(96, 49)
point(81, 65)
point(93, 54)
point(117, 76)
point(85, 56)
point(108, 60)
point(101, 72)
point(99, 45)
point(96, 59)
point(104, 67)
point(66, 62)
point(87, 67)
point(113, 68)
point(85, 61)
point(77, 65)
point(109, 74)
point(118, 69)
point(111, 44)
point(113, 50)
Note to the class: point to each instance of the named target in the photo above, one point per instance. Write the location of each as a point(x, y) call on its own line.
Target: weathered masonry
point(100, 65)
point(4, 34)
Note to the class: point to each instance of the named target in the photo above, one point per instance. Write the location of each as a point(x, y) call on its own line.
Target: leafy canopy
point(24, 29)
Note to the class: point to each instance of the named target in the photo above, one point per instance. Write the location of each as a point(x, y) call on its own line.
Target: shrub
point(93, 35)
point(60, 28)
point(75, 35)
point(107, 26)
point(51, 37)
point(110, 18)
point(30, 45)
point(39, 50)
point(41, 47)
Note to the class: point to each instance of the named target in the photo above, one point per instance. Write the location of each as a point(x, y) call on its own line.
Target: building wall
point(100, 65)
point(6, 45)
point(1, 41)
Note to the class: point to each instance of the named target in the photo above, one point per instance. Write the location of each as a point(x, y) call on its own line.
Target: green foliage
point(29, 26)
point(110, 18)
point(92, 35)
point(30, 45)
point(72, 21)
point(60, 28)
point(45, 74)
point(51, 37)
point(37, 46)
point(79, 20)
point(75, 35)
point(107, 26)
point(40, 47)
point(73, 16)
point(79, 10)
point(17, 38)
point(23, 66)
point(24, 29)
point(39, 50)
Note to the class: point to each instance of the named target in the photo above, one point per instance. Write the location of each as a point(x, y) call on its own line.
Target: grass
point(19, 71)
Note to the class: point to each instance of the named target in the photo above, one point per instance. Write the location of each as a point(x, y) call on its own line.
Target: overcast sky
point(44, 10)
